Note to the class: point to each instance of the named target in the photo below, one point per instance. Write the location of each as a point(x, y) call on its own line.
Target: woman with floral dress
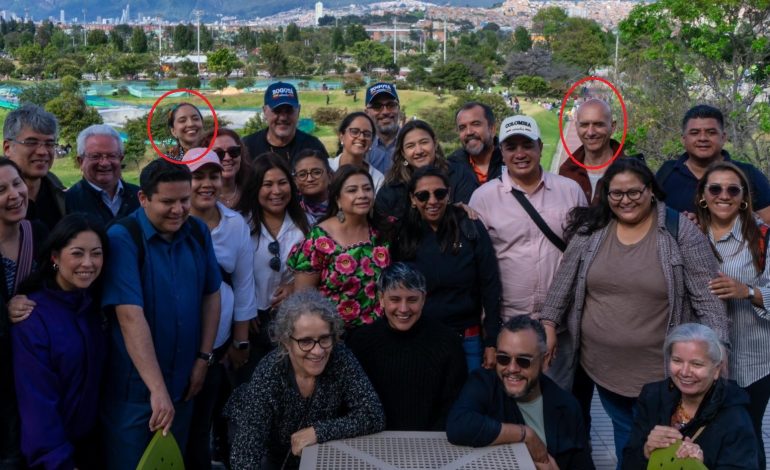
point(343, 255)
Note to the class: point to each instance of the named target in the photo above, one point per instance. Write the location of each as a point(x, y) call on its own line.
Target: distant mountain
point(182, 10)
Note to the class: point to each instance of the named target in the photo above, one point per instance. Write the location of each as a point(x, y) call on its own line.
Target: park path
point(573, 142)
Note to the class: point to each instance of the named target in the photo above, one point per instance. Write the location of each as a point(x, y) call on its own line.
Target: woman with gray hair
point(308, 390)
point(694, 408)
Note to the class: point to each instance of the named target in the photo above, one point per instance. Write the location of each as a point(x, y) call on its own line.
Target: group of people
point(311, 298)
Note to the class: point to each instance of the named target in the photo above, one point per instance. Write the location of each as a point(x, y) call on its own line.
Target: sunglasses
point(234, 152)
point(390, 106)
point(440, 194)
point(717, 189)
point(523, 362)
point(275, 262)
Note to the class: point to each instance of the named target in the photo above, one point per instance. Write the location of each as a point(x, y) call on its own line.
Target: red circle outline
point(149, 127)
point(625, 122)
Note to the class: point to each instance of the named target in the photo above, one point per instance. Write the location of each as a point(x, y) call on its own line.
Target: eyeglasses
point(717, 189)
point(303, 174)
point(97, 157)
point(275, 262)
point(307, 344)
point(390, 106)
point(356, 132)
point(522, 361)
point(633, 194)
point(234, 152)
point(35, 144)
point(440, 194)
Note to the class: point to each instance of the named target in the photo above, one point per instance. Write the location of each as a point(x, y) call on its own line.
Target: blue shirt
point(680, 185)
point(380, 155)
point(175, 277)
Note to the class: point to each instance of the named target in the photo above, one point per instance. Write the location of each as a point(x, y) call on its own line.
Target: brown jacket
point(575, 172)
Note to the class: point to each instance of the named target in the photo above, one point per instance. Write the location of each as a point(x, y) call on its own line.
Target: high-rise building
point(319, 11)
point(61, 16)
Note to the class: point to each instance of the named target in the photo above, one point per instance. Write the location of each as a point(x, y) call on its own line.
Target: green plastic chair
point(161, 454)
point(665, 459)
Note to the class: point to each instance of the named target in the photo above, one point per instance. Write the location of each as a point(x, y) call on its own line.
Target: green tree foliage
point(43, 33)
point(246, 38)
point(117, 41)
point(61, 40)
point(245, 82)
point(191, 83)
point(274, 59)
point(31, 60)
point(582, 43)
point(96, 38)
point(370, 54)
point(187, 67)
point(218, 83)
point(338, 40)
point(40, 93)
point(532, 87)
point(522, 41)
point(292, 33)
point(549, 22)
point(136, 141)
point(138, 40)
point(355, 33)
point(128, 65)
point(451, 76)
point(71, 111)
point(62, 67)
point(254, 124)
point(223, 62)
point(6, 66)
point(183, 38)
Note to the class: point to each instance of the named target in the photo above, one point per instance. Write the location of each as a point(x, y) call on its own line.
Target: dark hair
point(5, 161)
point(410, 235)
point(247, 167)
point(162, 171)
point(400, 173)
point(348, 120)
point(489, 115)
point(335, 188)
point(523, 323)
point(401, 275)
point(249, 205)
point(69, 227)
point(703, 111)
point(172, 112)
point(312, 153)
point(749, 230)
point(587, 220)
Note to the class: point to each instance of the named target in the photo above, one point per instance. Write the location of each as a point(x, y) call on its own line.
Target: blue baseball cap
point(379, 88)
point(280, 93)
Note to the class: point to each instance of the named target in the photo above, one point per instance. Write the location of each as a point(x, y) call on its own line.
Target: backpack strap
point(672, 222)
point(135, 231)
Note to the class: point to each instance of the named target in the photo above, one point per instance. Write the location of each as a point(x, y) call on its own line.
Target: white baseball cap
point(519, 125)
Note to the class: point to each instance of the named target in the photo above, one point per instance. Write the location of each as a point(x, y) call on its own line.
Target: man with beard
point(282, 137)
point(383, 107)
point(518, 403)
point(480, 151)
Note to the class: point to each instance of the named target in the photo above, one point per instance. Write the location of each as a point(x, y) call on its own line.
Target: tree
point(549, 22)
point(254, 124)
point(97, 37)
point(532, 87)
point(244, 83)
point(218, 83)
point(187, 67)
point(43, 33)
point(31, 60)
point(292, 33)
point(127, 65)
point(522, 41)
point(582, 44)
point(61, 40)
point(71, 111)
point(6, 67)
point(191, 83)
point(275, 60)
point(223, 62)
point(135, 146)
point(183, 38)
point(117, 41)
point(40, 93)
point(338, 40)
point(355, 33)
point(452, 76)
point(138, 40)
point(246, 38)
point(370, 54)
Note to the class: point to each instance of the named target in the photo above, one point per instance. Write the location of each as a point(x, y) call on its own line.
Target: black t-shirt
point(257, 144)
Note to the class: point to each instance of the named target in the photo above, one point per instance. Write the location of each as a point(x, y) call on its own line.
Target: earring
point(744, 205)
point(341, 216)
point(55, 267)
point(652, 199)
point(703, 203)
point(406, 163)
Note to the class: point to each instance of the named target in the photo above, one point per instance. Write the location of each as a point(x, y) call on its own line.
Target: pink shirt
point(527, 259)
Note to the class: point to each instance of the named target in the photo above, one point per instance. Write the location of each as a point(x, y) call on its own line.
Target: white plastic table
point(401, 450)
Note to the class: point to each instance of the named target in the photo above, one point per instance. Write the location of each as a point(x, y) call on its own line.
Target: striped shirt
point(750, 329)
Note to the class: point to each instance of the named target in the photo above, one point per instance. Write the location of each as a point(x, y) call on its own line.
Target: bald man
point(594, 128)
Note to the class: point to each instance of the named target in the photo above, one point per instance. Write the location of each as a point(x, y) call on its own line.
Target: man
point(704, 137)
point(416, 364)
point(479, 152)
point(161, 289)
point(518, 403)
point(281, 111)
point(101, 192)
point(595, 126)
point(30, 136)
point(519, 242)
point(383, 107)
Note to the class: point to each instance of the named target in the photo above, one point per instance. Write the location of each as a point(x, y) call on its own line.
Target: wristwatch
point(241, 345)
point(208, 357)
point(751, 292)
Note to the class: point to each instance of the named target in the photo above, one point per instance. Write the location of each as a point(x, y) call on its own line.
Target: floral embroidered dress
point(348, 274)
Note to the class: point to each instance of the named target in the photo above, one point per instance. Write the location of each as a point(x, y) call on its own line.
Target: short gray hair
point(688, 332)
point(32, 116)
point(401, 275)
point(305, 302)
point(97, 130)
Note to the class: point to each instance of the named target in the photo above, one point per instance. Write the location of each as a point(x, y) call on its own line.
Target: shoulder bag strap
point(538, 220)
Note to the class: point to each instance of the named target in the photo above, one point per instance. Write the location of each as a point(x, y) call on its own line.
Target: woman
point(694, 406)
point(724, 208)
point(456, 256)
point(356, 134)
point(416, 147)
point(309, 390)
point(185, 123)
point(623, 282)
point(342, 256)
point(59, 351)
point(232, 245)
point(236, 166)
point(312, 175)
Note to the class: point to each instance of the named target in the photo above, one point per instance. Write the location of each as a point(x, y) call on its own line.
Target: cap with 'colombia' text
point(280, 93)
point(519, 125)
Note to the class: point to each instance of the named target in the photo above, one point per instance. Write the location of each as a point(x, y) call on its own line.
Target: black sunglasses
point(275, 262)
point(440, 194)
point(732, 190)
point(234, 152)
point(522, 361)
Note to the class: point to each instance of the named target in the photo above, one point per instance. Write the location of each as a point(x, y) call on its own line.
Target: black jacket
point(82, 197)
point(727, 440)
point(460, 156)
point(48, 207)
point(257, 144)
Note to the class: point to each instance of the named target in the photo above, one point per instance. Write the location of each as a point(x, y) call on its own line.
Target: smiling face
point(187, 125)
point(34, 160)
point(476, 134)
point(357, 146)
point(402, 307)
point(520, 383)
point(230, 165)
point(311, 177)
point(281, 121)
point(308, 363)
point(101, 162)
point(80, 262)
point(628, 211)
point(13, 196)
point(521, 156)
point(384, 110)
point(723, 207)
point(703, 138)
point(206, 187)
point(432, 210)
point(357, 195)
point(595, 126)
point(169, 207)
point(275, 192)
point(691, 369)
point(418, 148)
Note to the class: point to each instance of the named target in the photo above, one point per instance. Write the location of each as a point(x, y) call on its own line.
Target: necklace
point(231, 199)
point(681, 417)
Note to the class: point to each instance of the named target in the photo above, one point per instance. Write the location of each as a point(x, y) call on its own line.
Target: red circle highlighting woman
point(149, 126)
point(625, 122)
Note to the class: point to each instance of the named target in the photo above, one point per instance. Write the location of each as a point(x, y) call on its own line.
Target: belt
point(472, 331)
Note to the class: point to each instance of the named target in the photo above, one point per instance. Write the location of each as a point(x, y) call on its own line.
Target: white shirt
point(232, 245)
point(266, 280)
point(377, 177)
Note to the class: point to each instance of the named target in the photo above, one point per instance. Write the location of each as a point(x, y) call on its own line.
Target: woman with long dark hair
point(236, 163)
point(185, 123)
point(356, 134)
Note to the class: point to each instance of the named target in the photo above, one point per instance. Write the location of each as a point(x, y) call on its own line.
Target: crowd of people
point(260, 297)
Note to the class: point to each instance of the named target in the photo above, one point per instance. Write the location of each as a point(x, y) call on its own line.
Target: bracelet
point(523, 432)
